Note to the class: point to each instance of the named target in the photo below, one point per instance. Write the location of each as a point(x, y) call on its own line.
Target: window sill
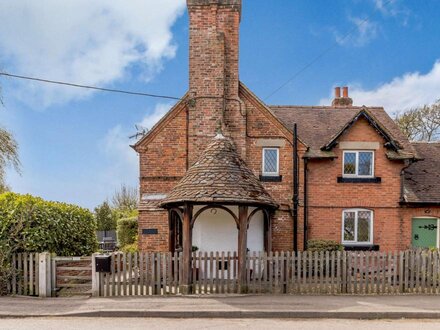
point(271, 178)
point(361, 247)
point(359, 180)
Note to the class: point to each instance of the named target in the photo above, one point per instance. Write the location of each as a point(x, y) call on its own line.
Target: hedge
point(323, 245)
point(127, 231)
point(31, 224)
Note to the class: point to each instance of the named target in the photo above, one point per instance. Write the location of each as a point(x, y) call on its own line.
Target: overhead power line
point(112, 90)
point(323, 53)
point(102, 89)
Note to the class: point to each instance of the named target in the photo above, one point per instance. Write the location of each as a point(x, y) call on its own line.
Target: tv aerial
point(140, 132)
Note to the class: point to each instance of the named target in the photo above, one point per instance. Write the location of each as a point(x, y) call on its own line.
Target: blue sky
point(74, 143)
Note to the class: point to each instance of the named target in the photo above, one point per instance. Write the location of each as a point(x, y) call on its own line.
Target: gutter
point(419, 204)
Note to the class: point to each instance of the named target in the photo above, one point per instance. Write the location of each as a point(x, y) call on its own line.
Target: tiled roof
point(422, 179)
point(318, 125)
point(219, 176)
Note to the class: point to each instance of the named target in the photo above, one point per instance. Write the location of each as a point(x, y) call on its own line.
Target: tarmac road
point(96, 323)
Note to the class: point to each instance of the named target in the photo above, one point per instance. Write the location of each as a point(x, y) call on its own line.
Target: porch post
point(186, 284)
point(242, 248)
point(269, 231)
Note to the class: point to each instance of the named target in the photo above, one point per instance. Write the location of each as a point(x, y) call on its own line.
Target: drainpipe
point(187, 137)
point(305, 204)
point(295, 188)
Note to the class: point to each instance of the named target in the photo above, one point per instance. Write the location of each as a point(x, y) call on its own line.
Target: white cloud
point(401, 93)
point(116, 143)
point(385, 7)
point(365, 31)
point(83, 41)
point(393, 8)
point(152, 118)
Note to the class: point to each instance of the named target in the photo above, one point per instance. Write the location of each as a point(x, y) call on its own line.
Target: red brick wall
point(327, 198)
point(156, 160)
point(163, 160)
point(154, 219)
point(262, 125)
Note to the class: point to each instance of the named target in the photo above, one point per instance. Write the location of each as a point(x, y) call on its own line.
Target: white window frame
point(355, 242)
point(277, 173)
point(357, 175)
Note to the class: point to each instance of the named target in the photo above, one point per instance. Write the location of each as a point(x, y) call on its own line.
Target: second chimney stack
point(343, 101)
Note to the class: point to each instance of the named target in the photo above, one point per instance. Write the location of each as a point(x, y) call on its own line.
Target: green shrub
point(122, 214)
point(31, 224)
point(323, 245)
point(6, 271)
point(132, 248)
point(127, 231)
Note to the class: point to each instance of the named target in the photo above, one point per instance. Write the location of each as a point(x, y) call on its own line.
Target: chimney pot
point(337, 92)
point(345, 92)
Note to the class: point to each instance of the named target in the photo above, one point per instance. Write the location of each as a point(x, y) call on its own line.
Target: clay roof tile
point(422, 178)
point(220, 176)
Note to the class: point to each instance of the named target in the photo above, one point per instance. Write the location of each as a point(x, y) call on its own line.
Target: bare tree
point(421, 124)
point(125, 199)
point(8, 156)
point(409, 123)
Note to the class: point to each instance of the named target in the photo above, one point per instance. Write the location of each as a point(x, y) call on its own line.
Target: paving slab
point(228, 306)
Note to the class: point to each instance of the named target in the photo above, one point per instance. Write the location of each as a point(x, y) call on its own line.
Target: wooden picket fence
point(25, 280)
point(134, 274)
point(337, 272)
point(341, 272)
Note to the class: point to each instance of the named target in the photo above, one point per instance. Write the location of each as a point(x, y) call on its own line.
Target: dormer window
point(358, 164)
point(271, 162)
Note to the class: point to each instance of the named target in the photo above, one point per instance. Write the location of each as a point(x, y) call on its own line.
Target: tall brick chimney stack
point(343, 101)
point(213, 72)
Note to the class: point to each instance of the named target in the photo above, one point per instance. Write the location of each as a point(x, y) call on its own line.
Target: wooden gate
point(71, 276)
point(25, 278)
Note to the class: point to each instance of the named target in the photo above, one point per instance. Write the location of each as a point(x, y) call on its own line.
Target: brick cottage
point(223, 171)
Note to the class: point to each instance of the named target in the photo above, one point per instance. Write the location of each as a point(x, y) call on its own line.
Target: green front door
point(424, 233)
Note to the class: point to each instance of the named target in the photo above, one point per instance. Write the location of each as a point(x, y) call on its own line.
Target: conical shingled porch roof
point(219, 176)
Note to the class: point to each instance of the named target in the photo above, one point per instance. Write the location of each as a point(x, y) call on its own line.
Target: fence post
point(53, 280)
point(44, 275)
point(96, 283)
